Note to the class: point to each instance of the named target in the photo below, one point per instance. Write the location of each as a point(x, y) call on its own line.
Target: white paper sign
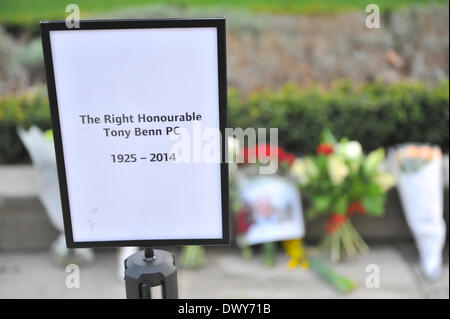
point(123, 95)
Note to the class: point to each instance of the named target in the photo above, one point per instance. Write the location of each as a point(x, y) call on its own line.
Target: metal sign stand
point(150, 268)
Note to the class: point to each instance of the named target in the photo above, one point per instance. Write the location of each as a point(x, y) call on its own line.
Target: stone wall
point(24, 224)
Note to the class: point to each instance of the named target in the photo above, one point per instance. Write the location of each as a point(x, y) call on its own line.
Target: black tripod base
point(143, 272)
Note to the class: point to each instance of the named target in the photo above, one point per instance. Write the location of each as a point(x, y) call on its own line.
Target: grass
point(32, 11)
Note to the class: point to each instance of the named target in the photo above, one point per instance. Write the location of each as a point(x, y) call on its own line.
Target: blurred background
point(302, 67)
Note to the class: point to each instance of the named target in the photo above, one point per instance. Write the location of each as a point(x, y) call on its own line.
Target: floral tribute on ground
point(269, 205)
point(340, 182)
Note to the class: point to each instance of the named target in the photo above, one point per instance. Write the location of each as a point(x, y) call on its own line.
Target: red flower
point(356, 207)
point(285, 157)
point(325, 149)
point(252, 153)
point(333, 222)
point(243, 221)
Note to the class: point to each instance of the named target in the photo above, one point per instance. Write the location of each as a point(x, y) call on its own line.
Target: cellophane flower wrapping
point(420, 186)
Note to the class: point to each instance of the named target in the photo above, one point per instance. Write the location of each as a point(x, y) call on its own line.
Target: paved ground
point(226, 275)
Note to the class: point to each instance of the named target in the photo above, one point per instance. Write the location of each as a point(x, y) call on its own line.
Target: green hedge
point(20, 110)
point(375, 114)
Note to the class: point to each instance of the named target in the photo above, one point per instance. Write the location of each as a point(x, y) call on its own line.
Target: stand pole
point(150, 268)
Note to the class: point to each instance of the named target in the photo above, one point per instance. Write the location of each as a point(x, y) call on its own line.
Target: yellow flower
point(297, 253)
point(337, 170)
point(298, 170)
point(385, 181)
point(311, 168)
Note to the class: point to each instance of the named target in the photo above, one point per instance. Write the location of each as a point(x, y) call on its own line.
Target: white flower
point(351, 150)
point(337, 169)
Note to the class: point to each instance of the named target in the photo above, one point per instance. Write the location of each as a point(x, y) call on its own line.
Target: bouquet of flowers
point(341, 181)
point(420, 184)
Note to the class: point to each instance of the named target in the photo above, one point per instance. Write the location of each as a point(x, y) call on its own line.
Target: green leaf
point(374, 204)
point(341, 205)
point(49, 134)
point(193, 257)
point(269, 251)
point(311, 213)
point(328, 137)
point(321, 202)
point(373, 160)
point(338, 281)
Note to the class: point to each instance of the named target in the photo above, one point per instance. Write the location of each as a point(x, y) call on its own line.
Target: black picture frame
point(219, 24)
